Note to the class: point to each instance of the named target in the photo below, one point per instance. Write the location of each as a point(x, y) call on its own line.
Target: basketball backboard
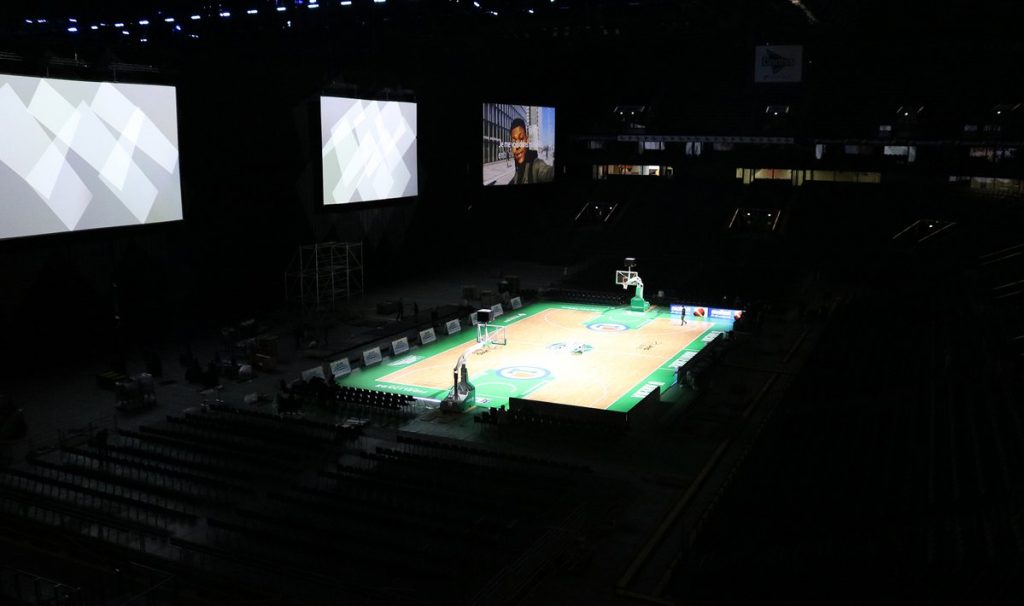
point(491, 334)
point(623, 278)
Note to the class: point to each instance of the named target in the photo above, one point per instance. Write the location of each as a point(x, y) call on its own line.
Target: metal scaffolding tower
point(322, 275)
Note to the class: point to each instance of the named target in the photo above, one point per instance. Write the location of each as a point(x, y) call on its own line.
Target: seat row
point(461, 448)
point(371, 397)
point(502, 417)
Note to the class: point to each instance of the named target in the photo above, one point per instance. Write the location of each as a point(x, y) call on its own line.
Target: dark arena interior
point(752, 334)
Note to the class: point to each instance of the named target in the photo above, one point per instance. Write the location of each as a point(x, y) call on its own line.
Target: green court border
point(662, 378)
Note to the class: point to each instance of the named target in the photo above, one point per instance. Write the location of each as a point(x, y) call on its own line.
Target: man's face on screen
point(519, 143)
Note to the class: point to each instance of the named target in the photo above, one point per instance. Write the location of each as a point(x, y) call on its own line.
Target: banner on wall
point(400, 346)
point(778, 63)
point(697, 312)
point(340, 368)
point(371, 356)
point(427, 336)
point(725, 314)
point(453, 327)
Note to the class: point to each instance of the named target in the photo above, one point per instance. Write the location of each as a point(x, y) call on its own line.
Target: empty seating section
point(157, 481)
point(373, 399)
point(589, 297)
point(543, 418)
point(458, 447)
point(927, 425)
point(269, 499)
point(333, 397)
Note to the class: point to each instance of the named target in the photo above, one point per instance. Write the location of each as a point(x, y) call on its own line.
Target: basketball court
point(582, 355)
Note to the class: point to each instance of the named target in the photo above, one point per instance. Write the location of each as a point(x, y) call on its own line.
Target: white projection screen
point(368, 150)
point(80, 155)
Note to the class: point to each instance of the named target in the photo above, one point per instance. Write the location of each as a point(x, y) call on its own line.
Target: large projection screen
point(80, 155)
point(518, 144)
point(368, 150)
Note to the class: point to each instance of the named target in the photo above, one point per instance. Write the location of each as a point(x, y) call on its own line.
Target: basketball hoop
point(489, 334)
point(463, 393)
point(627, 278)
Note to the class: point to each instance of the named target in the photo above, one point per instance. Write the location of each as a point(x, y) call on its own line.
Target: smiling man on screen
point(529, 168)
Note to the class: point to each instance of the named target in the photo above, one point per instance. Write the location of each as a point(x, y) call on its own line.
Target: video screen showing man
point(518, 145)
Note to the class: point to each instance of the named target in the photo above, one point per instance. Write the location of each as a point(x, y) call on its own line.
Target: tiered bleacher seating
point(589, 297)
point(275, 500)
point(538, 419)
point(391, 510)
point(898, 448)
point(19, 587)
point(459, 448)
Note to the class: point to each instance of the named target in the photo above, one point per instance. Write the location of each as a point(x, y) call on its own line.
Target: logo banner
point(371, 356)
point(778, 63)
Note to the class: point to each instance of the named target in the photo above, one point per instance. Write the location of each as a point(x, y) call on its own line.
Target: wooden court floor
point(614, 363)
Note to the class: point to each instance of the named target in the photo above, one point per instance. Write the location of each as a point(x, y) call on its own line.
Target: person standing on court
point(529, 168)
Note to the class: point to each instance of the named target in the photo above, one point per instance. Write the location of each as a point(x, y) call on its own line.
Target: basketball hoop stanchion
point(627, 278)
point(462, 395)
